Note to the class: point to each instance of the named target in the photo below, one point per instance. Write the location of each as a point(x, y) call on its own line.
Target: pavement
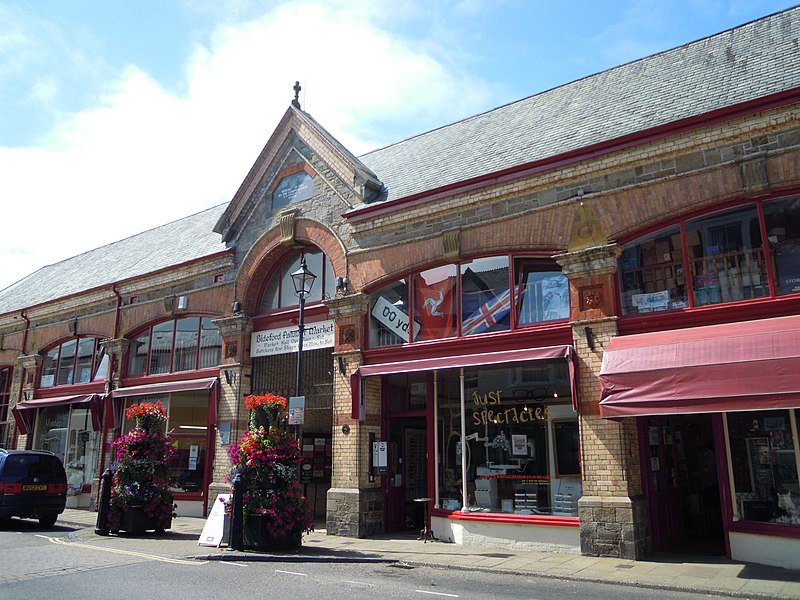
point(699, 575)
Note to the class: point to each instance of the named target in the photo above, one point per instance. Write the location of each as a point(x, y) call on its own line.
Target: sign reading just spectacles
point(284, 340)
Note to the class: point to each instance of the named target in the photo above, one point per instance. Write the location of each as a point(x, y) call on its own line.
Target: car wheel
point(48, 520)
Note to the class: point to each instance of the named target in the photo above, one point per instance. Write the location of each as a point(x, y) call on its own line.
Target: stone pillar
point(31, 365)
point(355, 505)
point(235, 382)
point(613, 517)
point(117, 349)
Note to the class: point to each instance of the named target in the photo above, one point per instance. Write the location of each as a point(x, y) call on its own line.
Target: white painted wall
point(565, 540)
point(766, 550)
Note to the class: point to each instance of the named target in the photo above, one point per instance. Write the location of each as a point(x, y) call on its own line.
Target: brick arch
point(268, 250)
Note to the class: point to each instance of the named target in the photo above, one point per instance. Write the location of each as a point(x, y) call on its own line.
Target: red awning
point(25, 412)
point(753, 365)
point(456, 362)
point(169, 387)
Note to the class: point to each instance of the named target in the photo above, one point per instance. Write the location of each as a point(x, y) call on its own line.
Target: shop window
point(174, 346)
point(485, 295)
point(726, 257)
point(279, 291)
point(407, 392)
point(520, 445)
point(542, 293)
point(187, 422)
point(5, 394)
point(766, 481)
point(67, 432)
point(652, 274)
point(389, 316)
point(435, 303)
point(783, 232)
point(79, 360)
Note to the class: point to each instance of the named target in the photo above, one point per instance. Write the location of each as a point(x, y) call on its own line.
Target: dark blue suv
point(33, 484)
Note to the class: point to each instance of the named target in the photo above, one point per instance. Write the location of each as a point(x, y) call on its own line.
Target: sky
point(119, 116)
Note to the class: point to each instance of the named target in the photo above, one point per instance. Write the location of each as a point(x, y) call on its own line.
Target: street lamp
point(302, 279)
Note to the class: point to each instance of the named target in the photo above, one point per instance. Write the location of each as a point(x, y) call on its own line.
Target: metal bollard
point(237, 514)
point(103, 504)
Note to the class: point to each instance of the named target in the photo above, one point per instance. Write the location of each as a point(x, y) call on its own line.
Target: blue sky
point(119, 116)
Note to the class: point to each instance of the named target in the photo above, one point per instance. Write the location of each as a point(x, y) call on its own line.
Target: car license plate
point(40, 487)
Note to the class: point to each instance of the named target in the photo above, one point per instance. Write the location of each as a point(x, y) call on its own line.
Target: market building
point(570, 323)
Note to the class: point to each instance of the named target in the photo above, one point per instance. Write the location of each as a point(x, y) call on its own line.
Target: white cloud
point(142, 156)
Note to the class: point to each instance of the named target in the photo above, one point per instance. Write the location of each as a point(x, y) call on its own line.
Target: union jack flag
point(487, 315)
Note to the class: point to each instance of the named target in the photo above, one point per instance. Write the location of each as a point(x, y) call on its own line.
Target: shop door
point(681, 484)
point(407, 474)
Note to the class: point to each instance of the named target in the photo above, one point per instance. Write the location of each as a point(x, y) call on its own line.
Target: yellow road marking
point(177, 561)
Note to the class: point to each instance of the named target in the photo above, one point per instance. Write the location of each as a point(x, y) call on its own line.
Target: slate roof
point(729, 68)
point(178, 242)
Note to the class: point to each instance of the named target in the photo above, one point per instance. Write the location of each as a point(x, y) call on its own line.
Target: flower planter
point(135, 521)
point(256, 536)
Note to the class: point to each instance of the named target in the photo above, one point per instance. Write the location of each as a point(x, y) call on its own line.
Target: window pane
point(210, 344)
point(764, 466)
point(101, 364)
point(485, 297)
point(783, 230)
point(81, 452)
point(187, 465)
point(138, 354)
point(542, 293)
point(435, 303)
point(651, 274)
point(83, 365)
point(314, 264)
point(388, 316)
point(288, 297)
point(726, 258)
point(271, 297)
point(161, 348)
point(51, 430)
point(66, 362)
point(330, 280)
point(186, 332)
point(188, 413)
point(49, 366)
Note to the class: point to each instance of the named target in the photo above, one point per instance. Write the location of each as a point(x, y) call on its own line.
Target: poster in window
point(567, 440)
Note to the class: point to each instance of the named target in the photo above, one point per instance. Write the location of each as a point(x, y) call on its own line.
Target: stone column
point(355, 505)
point(612, 511)
point(234, 377)
point(31, 365)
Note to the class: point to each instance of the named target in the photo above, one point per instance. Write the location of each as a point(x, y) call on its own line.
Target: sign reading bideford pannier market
point(284, 339)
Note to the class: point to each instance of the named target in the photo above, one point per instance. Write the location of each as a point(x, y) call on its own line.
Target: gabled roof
point(172, 244)
point(736, 66)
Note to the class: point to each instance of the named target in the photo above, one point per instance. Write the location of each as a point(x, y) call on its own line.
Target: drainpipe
point(22, 379)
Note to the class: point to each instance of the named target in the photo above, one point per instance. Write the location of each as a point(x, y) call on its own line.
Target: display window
point(187, 423)
point(713, 259)
point(519, 447)
point(469, 298)
point(764, 466)
point(5, 393)
point(67, 432)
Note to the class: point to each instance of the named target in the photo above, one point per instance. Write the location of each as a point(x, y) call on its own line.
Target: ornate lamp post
point(303, 279)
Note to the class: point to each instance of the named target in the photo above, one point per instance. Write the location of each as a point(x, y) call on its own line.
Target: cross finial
point(296, 88)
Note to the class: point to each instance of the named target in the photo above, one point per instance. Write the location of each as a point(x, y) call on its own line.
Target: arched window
point(176, 345)
point(79, 360)
point(279, 291)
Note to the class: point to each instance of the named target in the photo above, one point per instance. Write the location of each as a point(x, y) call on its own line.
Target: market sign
point(283, 340)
